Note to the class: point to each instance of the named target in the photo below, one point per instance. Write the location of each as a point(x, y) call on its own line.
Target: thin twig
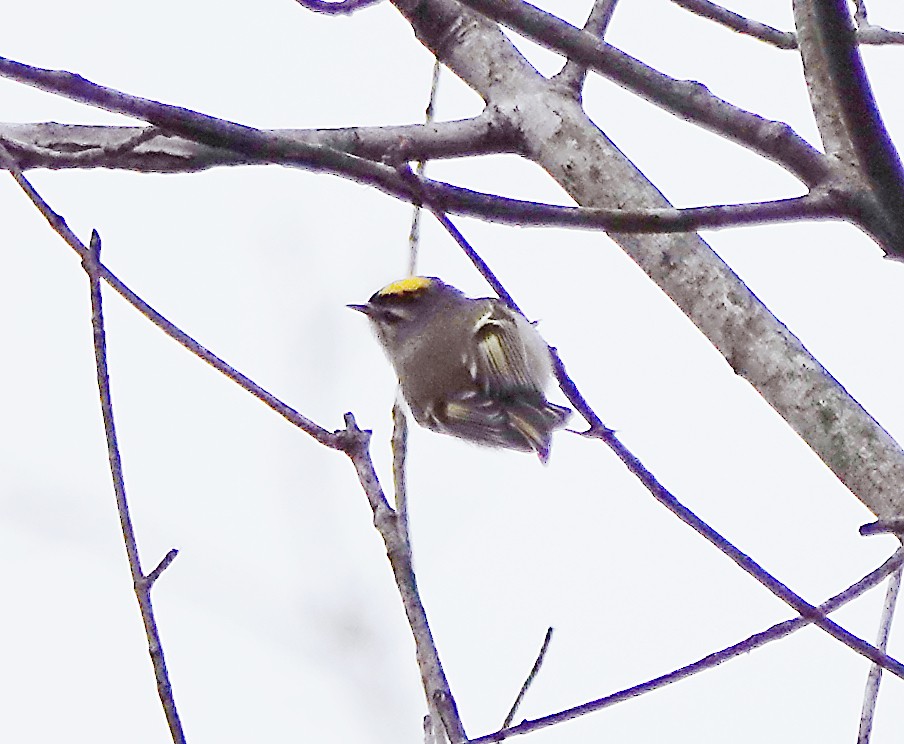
point(482, 267)
point(747, 564)
point(399, 471)
point(573, 74)
point(532, 675)
point(710, 661)
point(140, 583)
point(162, 566)
point(414, 235)
point(441, 705)
point(59, 225)
point(400, 483)
point(355, 443)
point(866, 33)
point(871, 693)
point(725, 17)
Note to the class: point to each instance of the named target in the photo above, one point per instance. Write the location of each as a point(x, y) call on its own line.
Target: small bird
point(472, 368)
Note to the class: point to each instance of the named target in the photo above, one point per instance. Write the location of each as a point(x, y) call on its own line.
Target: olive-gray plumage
point(472, 368)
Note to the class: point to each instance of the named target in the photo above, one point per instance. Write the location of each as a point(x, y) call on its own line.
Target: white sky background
point(280, 618)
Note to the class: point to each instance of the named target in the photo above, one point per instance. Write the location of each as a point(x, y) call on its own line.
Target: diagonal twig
point(871, 693)
point(780, 630)
point(529, 680)
point(59, 225)
point(725, 17)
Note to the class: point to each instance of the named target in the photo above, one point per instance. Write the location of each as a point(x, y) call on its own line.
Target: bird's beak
point(361, 308)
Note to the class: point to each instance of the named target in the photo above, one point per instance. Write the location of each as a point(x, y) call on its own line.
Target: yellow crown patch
point(408, 285)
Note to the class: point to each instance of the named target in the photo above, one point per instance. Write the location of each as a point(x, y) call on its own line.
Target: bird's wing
point(501, 359)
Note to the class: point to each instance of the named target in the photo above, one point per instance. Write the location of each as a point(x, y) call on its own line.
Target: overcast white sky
point(279, 617)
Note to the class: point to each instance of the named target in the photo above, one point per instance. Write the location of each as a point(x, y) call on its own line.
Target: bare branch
point(59, 146)
point(140, 584)
point(675, 265)
point(878, 36)
point(336, 7)
point(162, 566)
point(865, 33)
point(573, 75)
point(871, 693)
point(403, 538)
point(747, 564)
point(842, 99)
point(475, 258)
point(263, 146)
point(690, 101)
point(707, 662)
point(523, 213)
point(472, 203)
point(714, 12)
point(355, 443)
point(414, 234)
point(399, 469)
point(258, 146)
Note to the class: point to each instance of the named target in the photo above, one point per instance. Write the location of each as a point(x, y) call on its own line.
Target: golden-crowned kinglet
point(472, 368)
